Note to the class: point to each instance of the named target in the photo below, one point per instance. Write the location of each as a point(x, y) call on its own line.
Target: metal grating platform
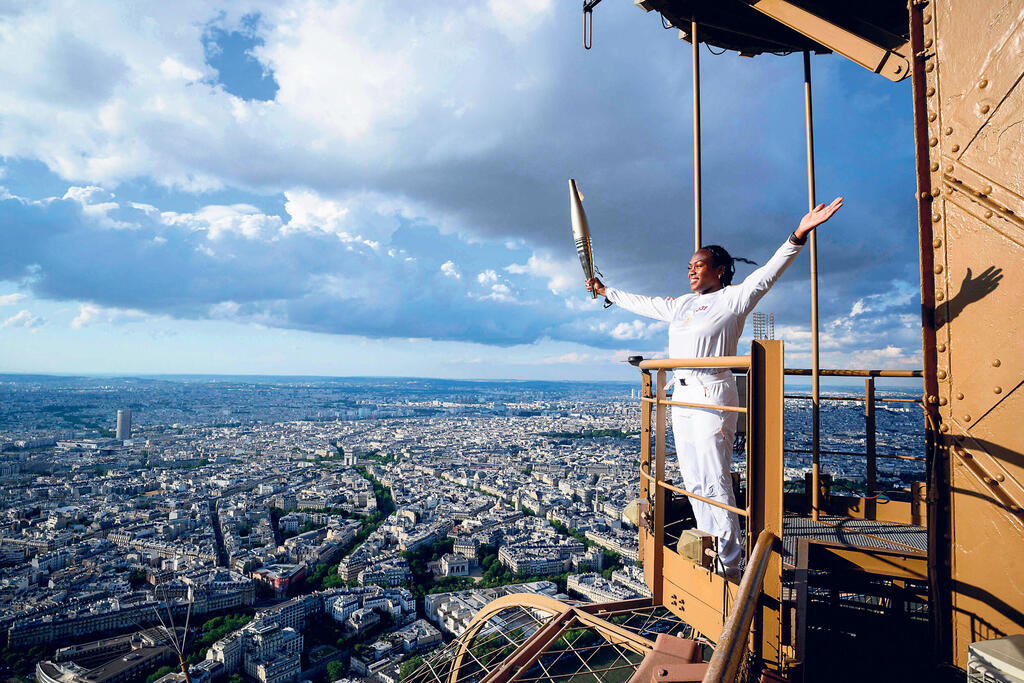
point(852, 532)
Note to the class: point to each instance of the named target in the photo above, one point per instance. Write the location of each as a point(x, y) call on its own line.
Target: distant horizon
point(792, 382)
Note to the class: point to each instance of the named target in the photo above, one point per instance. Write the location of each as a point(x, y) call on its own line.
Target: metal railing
point(730, 649)
point(870, 431)
point(762, 507)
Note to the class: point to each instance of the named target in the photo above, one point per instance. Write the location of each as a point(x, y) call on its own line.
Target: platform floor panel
point(852, 532)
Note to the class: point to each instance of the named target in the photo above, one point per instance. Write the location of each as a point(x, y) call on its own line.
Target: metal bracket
point(893, 64)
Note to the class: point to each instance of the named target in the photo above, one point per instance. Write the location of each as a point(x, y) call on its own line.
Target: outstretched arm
point(756, 285)
point(648, 306)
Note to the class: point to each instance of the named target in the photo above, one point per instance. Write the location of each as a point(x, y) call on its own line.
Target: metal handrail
point(708, 406)
point(807, 397)
point(855, 373)
point(731, 646)
point(723, 362)
point(690, 494)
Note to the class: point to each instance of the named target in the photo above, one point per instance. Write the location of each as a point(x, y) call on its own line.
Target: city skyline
point(256, 189)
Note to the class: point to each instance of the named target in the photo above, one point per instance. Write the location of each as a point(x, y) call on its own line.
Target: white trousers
point(704, 447)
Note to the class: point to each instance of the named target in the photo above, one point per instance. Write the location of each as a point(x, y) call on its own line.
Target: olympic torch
point(581, 233)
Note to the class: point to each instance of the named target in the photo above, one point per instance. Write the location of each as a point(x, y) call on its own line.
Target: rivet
point(933, 399)
point(663, 672)
point(932, 142)
point(931, 116)
point(941, 374)
point(997, 390)
point(987, 189)
point(924, 195)
point(937, 242)
point(937, 269)
point(988, 214)
point(949, 130)
point(934, 166)
point(967, 418)
point(928, 42)
point(1000, 477)
point(982, 83)
point(996, 363)
point(943, 401)
point(949, 190)
point(949, 169)
point(940, 348)
point(936, 217)
point(955, 148)
point(927, 18)
point(959, 396)
point(939, 295)
point(988, 480)
point(985, 108)
point(929, 67)
point(944, 428)
point(964, 454)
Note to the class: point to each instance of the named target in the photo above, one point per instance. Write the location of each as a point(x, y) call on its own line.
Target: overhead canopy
point(876, 36)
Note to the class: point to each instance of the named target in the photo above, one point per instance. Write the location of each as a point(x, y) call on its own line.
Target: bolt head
point(996, 363)
point(955, 148)
point(959, 396)
point(930, 91)
point(932, 142)
point(940, 347)
point(948, 131)
point(941, 374)
point(988, 214)
point(983, 83)
point(985, 108)
point(997, 390)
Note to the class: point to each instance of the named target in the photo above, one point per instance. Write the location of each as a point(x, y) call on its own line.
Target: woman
point(705, 324)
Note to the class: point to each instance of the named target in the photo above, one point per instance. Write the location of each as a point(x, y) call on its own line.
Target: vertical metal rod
point(869, 428)
point(696, 136)
point(660, 493)
point(815, 384)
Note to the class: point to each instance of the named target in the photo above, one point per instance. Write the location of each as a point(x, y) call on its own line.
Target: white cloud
point(220, 220)
point(10, 299)
point(561, 274)
point(487, 277)
point(23, 319)
point(451, 270)
point(91, 314)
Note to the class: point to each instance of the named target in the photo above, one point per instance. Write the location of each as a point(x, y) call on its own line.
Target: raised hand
point(817, 216)
point(594, 285)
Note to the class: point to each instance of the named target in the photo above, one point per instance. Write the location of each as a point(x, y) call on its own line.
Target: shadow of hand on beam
point(972, 290)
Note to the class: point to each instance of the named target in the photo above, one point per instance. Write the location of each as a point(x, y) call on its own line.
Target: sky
point(380, 188)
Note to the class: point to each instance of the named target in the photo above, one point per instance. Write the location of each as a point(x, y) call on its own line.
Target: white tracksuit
point(703, 326)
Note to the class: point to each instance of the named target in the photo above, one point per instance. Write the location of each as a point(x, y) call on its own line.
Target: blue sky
point(364, 188)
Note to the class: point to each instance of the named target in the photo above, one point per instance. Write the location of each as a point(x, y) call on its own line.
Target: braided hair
point(720, 257)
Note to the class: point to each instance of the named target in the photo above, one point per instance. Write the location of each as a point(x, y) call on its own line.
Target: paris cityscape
point(318, 528)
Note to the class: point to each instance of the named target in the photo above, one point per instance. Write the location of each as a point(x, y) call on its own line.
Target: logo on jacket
point(702, 308)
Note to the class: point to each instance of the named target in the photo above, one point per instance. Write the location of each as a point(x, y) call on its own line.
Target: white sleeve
point(655, 307)
point(746, 294)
